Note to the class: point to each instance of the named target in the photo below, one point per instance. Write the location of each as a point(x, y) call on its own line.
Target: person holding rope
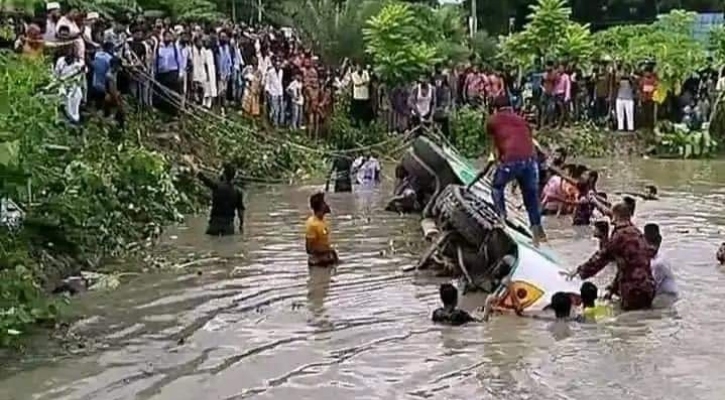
point(341, 173)
point(516, 156)
point(226, 199)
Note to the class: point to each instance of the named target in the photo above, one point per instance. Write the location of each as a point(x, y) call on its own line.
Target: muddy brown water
point(262, 326)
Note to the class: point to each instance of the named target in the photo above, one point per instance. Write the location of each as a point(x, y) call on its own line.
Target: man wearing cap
point(516, 155)
point(51, 22)
point(53, 10)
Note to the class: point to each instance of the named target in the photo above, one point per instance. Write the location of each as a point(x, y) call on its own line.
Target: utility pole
point(259, 12)
point(474, 18)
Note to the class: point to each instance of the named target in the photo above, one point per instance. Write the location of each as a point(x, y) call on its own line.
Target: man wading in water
point(629, 249)
point(317, 234)
point(225, 200)
point(516, 155)
point(341, 173)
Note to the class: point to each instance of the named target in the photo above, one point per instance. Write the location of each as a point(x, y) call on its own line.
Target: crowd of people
point(226, 67)
point(609, 94)
point(259, 72)
point(268, 72)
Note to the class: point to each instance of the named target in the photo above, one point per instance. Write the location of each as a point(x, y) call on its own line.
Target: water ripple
point(261, 325)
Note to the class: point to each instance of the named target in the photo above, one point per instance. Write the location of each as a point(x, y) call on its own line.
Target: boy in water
point(592, 311)
point(561, 304)
point(449, 314)
point(650, 193)
point(661, 271)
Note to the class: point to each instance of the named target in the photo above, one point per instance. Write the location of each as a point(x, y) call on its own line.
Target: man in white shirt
point(274, 90)
point(298, 101)
point(51, 22)
point(74, 32)
point(661, 271)
point(360, 107)
point(366, 170)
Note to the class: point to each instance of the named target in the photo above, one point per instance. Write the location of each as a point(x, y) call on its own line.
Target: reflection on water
point(261, 324)
point(318, 285)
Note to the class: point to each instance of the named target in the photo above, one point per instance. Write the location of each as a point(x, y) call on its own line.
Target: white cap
point(178, 29)
point(92, 15)
point(52, 6)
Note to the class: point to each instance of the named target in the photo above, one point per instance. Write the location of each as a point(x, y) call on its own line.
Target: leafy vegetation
point(332, 28)
point(400, 51)
point(675, 140)
point(550, 34)
point(405, 41)
point(668, 42)
point(467, 132)
point(84, 196)
point(716, 45)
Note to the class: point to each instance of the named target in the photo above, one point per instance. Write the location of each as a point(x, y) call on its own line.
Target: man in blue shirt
point(100, 65)
point(168, 75)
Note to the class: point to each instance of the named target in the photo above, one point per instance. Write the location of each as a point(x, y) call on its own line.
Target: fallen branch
point(201, 261)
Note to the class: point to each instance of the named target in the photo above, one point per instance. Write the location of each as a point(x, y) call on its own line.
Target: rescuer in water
point(628, 248)
point(226, 199)
point(517, 160)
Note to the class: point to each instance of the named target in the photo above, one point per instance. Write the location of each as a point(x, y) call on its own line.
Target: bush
point(344, 135)
point(91, 197)
point(468, 133)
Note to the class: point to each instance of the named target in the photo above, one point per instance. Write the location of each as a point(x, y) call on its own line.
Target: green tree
point(397, 45)
point(333, 28)
point(549, 33)
point(716, 45)
point(668, 41)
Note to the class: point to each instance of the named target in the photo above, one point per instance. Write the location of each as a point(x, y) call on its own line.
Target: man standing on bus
point(515, 154)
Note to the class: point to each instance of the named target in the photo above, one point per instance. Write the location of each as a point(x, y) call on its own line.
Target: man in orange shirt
point(317, 234)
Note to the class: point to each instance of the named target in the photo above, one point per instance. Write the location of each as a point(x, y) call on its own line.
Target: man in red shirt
point(516, 155)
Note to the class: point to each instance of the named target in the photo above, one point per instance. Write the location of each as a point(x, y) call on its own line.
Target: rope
point(172, 97)
point(193, 110)
point(223, 119)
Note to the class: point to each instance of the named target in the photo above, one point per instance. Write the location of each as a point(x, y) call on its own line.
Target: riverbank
point(469, 137)
point(91, 194)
